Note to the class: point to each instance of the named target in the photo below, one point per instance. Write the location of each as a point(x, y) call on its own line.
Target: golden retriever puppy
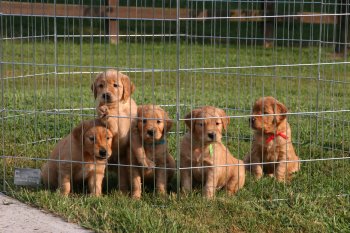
point(116, 108)
point(272, 141)
point(150, 136)
point(205, 158)
point(82, 155)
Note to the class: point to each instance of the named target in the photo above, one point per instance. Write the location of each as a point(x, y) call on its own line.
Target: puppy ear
point(93, 89)
point(139, 111)
point(191, 123)
point(128, 86)
point(225, 120)
point(169, 122)
point(280, 108)
point(77, 132)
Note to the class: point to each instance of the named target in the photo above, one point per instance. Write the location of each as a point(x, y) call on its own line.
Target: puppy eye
point(200, 124)
point(108, 138)
point(158, 121)
point(115, 85)
point(92, 138)
point(218, 123)
point(100, 86)
point(144, 121)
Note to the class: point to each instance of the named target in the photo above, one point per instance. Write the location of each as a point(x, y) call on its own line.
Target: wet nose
point(212, 136)
point(150, 132)
point(103, 152)
point(106, 96)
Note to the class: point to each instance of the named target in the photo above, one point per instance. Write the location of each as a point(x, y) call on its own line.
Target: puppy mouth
point(99, 157)
point(108, 101)
point(150, 139)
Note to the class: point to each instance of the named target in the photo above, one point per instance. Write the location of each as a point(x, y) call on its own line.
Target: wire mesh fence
point(180, 55)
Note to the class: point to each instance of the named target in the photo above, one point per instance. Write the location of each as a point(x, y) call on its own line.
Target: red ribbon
point(269, 139)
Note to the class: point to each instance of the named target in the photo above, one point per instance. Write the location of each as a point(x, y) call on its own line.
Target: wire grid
point(209, 57)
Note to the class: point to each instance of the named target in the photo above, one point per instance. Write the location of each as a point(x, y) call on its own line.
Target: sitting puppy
point(272, 141)
point(118, 111)
point(202, 146)
point(82, 155)
point(149, 137)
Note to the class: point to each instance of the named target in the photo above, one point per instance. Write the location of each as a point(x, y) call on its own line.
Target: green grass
point(40, 109)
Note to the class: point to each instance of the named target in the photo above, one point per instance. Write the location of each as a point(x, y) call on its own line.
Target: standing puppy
point(202, 146)
point(272, 141)
point(82, 155)
point(150, 133)
point(118, 111)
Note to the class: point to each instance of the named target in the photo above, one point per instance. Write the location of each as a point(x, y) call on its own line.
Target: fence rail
point(113, 12)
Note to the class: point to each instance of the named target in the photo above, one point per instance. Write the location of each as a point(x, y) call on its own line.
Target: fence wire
point(181, 55)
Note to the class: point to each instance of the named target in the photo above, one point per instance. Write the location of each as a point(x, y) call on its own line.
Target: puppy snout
point(106, 96)
point(103, 152)
point(212, 136)
point(150, 132)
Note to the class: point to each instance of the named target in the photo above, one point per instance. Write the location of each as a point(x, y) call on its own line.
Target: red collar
point(269, 139)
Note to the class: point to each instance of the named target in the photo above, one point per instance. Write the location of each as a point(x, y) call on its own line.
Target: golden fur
point(202, 146)
point(270, 144)
point(149, 139)
point(112, 90)
point(90, 143)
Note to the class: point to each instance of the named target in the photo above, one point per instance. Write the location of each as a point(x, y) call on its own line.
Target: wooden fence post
point(113, 24)
point(269, 23)
point(342, 26)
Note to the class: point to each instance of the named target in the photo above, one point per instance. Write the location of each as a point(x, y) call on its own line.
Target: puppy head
point(112, 86)
point(96, 138)
point(153, 122)
point(210, 128)
point(267, 105)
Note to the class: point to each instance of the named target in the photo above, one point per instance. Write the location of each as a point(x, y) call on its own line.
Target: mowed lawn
point(46, 91)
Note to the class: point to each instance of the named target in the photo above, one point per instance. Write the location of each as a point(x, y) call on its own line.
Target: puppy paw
point(102, 111)
point(150, 164)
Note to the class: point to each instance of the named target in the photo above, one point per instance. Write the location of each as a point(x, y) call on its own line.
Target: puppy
point(118, 111)
point(202, 146)
point(150, 136)
point(82, 155)
point(272, 141)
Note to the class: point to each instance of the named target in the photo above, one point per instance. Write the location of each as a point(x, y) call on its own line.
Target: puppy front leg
point(186, 180)
point(136, 188)
point(281, 171)
point(138, 151)
point(64, 184)
point(211, 183)
point(95, 183)
point(161, 181)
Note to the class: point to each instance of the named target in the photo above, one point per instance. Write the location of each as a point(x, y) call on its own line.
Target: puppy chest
point(88, 170)
point(274, 151)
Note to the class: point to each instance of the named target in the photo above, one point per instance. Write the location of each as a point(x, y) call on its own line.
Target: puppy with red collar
point(272, 151)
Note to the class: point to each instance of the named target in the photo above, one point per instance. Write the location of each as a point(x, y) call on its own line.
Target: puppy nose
point(212, 136)
point(150, 132)
point(103, 152)
point(106, 96)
